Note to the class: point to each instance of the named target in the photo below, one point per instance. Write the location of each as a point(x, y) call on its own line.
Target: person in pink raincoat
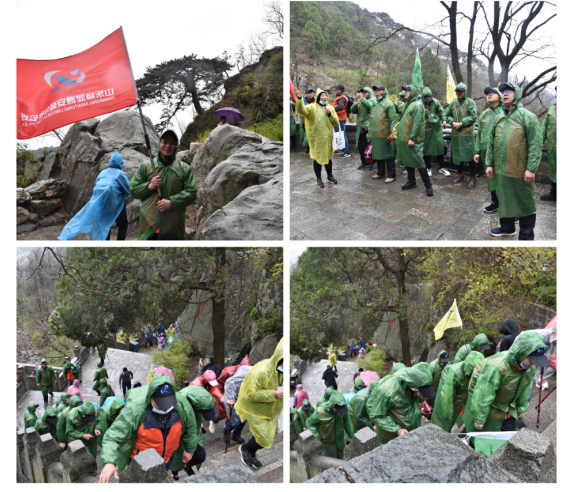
point(74, 389)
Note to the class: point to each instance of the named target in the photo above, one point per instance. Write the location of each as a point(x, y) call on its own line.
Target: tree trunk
point(403, 322)
point(452, 11)
point(470, 47)
point(219, 308)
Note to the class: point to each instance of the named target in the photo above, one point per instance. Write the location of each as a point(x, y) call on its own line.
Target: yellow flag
point(452, 319)
point(450, 87)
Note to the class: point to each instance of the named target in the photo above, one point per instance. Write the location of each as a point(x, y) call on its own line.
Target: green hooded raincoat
point(358, 386)
point(295, 426)
point(434, 133)
point(30, 418)
point(76, 426)
point(304, 413)
point(178, 186)
point(61, 404)
point(105, 417)
point(466, 349)
point(437, 369)
point(45, 378)
point(463, 140)
point(412, 127)
point(106, 391)
point(62, 419)
point(100, 373)
point(42, 426)
point(549, 136)
point(382, 120)
point(363, 110)
point(357, 408)
point(327, 393)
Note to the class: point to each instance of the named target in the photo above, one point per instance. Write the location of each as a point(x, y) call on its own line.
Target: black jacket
point(510, 330)
point(329, 377)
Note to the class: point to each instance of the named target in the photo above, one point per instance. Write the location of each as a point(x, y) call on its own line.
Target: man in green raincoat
point(452, 392)
point(486, 119)
point(399, 105)
point(102, 349)
point(479, 343)
point(382, 120)
point(199, 406)
point(295, 427)
point(461, 113)
point(47, 423)
point(305, 412)
point(331, 425)
point(152, 418)
point(45, 376)
point(80, 425)
point(358, 386)
point(434, 132)
point(100, 373)
point(549, 136)
point(71, 371)
point(514, 151)
point(136, 384)
point(105, 417)
point(164, 219)
point(394, 405)
point(411, 134)
point(260, 402)
point(325, 397)
point(364, 102)
point(320, 119)
point(437, 366)
point(30, 417)
point(62, 403)
point(106, 391)
point(500, 385)
point(62, 421)
point(357, 408)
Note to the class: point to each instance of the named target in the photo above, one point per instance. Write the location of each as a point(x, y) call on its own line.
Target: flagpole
point(461, 322)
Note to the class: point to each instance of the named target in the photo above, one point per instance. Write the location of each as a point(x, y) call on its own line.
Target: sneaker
point(255, 462)
point(429, 171)
point(362, 166)
point(444, 171)
point(408, 186)
point(371, 166)
point(516, 220)
point(459, 179)
point(238, 439)
point(390, 180)
point(45, 404)
point(212, 427)
point(376, 176)
point(175, 477)
point(245, 457)
point(429, 191)
point(404, 171)
point(346, 155)
point(497, 232)
point(332, 180)
point(491, 208)
point(320, 183)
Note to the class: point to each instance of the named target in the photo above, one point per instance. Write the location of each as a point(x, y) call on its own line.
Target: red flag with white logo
point(56, 93)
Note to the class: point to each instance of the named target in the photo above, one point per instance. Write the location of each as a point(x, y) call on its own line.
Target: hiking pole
point(148, 146)
point(539, 398)
point(229, 431)
point(546, 396)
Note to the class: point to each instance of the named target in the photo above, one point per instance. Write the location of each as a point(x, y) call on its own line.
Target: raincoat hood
point(154, 384)
point(462, 87)
point(327, 393)
point(43, 361)
point(115, 407)
point(395, 368)
point(319, 93)
point(384, 95)
point(99, 365)
point(440, 355)
point(32, 407)
point(86, 408)
point(471, 361)
point(198, 397)
point(426, 92)
point(496, 89)
point(74, 400)
point(526, 343)
point(508, 327)
point(417, 375)
point(103, 383)
point(371, 93)
point(49, 412)
point(306, 404)
point(360, 384)
point(116, 161)
point(336, 398)
point(175, 151)
point(233, 384)
point(479, 340)
point(413, 93)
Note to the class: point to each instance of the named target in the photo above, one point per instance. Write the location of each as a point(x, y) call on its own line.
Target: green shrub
point(375, 361)
point(272, 129)
point(176, 359)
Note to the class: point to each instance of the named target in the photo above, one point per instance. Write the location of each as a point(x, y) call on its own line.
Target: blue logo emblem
point(164, 390)
point(63, 79)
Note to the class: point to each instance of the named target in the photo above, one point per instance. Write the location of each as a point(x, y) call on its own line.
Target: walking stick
point(229, 431)
point(546, 396)
point(539, 398)
point(148, 146)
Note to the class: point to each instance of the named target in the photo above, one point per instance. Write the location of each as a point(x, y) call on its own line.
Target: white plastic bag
point(280, 427)
point(338, 140)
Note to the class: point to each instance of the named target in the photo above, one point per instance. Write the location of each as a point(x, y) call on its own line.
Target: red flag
point(292, 90)
point(55, 93)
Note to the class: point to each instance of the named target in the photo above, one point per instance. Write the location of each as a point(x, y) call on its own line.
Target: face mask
point(523, 366)
point(323, 103)
point(280, 368)
point(160, 412)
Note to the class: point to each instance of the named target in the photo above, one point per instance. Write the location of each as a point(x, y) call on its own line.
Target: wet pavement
point(361, 208)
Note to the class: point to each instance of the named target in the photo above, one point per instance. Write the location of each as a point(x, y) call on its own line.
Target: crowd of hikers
point(478, 394)
point(159, 417)
point(507, 145)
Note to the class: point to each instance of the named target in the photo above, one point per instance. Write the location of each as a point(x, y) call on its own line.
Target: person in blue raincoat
point(149, 336)
point(105, 207)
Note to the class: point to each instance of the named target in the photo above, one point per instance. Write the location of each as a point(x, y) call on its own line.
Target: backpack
point(350, 102)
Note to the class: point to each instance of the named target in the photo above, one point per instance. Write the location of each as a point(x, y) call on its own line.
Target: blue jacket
point(99, 214)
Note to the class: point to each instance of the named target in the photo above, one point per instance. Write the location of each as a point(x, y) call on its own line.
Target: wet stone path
point(361, 208)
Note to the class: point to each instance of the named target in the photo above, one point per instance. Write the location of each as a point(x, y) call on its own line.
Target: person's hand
point(278, 393)
point(62, 445)
point(457, 125)
point(303, 428)
point(529, 177)
point(164, 205)
point(391, 137)
point(400, 432)
point(519, 415)
point(186, 458)
point(155, 183)
point(489, 172)
point(230, 402)
point(478, 426)
point(88, 437)
point(411, 143)
point(374, 427)
point(97, 432)
point(327, 110)
point(107, 472)
point(476, 158)
point(298, 94)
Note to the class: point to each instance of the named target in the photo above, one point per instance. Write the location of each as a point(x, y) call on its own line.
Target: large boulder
point(264, 348)
point(47, 188)
point(256, 214)
point(230, 473)
point(45, 207)
point(424, 455)
point(251, 165)
point(26, 228)
point(21, 215)
point(22, 196)
point(436, 349)
point(124, 130)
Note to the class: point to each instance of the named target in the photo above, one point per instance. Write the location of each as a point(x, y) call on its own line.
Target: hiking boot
point(376, 176)
point(408, 186)
point(255, 462)
point(429, 171)
point(497, 232)
point(472, 182)
point(245, 457)
point(238, 439)
point(332, 180)
point(371, 166)
point(459, 179)
point(390, 180)
point(516, 220)
point(429, 191)
point(362, 166)
point(188, 470)
point(444, 171)
point(491, 208)
point(320, 183)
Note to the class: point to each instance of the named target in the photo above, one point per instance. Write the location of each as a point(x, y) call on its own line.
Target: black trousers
point(293, 143)
point(423, 175)
point(509, 425)
point(363, 144)
point(328, 170)
point(439, 160)
point(494, 198)
point(122, 224)
point(252, 446)
point(526, 226)
point(390, 168)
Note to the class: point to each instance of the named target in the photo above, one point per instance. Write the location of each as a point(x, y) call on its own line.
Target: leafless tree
point(274, 19)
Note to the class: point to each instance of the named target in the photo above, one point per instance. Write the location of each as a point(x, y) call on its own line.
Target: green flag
point(417, 74)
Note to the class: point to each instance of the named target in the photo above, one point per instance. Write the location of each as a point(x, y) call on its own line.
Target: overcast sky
point(417, 14)
point(296, 252)
point(155, 32)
